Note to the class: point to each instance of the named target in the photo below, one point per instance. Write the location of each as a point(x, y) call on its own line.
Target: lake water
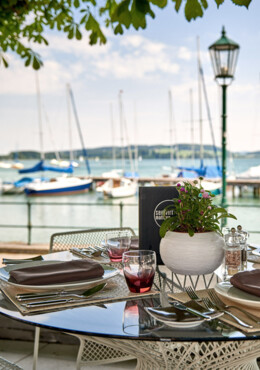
point(89, 210)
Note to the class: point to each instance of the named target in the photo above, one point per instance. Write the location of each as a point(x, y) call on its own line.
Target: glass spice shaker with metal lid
point(232, 254)
point(243, 236)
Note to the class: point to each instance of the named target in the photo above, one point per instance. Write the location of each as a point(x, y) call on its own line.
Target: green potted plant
point(192, 241)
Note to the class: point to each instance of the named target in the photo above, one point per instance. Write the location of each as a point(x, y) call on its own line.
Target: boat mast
point(39, 114)
point(209, 117)
point(136, 135)
point(69, 122)
point(192, 127)
point(84, 150)
point(171, 134)
point(170, 129)
point(200, 103)
point(121, 119)
point(113, 136)
point(129, 149)
point(57, 154)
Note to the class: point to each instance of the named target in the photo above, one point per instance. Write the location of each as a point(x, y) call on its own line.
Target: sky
point(145, 65)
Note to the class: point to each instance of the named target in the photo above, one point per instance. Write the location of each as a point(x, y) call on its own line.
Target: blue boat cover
point(131, 174)
point(41, 167)
point(23, 181)
point(204, 171)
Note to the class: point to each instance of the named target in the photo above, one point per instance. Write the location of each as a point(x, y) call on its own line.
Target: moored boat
point(59, 186)
point(119, 188)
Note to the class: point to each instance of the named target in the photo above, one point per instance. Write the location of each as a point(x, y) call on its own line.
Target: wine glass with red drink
point(139, 269)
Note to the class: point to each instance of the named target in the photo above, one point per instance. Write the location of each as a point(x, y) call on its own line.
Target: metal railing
point(121, 206)
point(30, 226)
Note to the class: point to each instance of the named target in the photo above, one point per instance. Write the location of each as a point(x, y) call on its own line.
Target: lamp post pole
point(224, 145)
point(224, 53)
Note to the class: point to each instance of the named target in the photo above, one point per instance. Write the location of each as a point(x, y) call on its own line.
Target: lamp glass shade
point(224, 53)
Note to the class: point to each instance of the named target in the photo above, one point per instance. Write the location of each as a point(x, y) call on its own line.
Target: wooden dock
point(241, 184)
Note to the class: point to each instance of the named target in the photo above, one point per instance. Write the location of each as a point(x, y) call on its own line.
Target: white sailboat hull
point(118, 188)
point(59, 186)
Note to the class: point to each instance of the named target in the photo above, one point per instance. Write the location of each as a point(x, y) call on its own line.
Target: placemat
point(116, 290)
point(183, 297)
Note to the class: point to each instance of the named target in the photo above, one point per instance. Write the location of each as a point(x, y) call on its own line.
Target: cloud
point(66, 60)
point(184, 53)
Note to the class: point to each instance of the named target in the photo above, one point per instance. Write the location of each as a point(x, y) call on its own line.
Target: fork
point(194, 297)
point(215, 298)
point(214, 303)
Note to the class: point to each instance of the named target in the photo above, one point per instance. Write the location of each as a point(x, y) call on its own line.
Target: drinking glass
point(139, 269)
point(117, 246)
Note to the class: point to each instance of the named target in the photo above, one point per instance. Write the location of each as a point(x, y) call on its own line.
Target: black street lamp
point(224, 53)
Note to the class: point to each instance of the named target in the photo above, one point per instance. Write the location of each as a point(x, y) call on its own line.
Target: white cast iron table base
point(154, 355)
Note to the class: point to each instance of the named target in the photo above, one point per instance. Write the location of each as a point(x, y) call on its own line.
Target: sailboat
point(207, 172)
point(120, 187)
point(62, 185)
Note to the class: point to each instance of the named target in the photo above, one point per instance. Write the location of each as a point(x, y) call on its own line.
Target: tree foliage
point(23, 22)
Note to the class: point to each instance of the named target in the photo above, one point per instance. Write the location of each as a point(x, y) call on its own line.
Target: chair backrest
point(7, 365)
point(83, 238)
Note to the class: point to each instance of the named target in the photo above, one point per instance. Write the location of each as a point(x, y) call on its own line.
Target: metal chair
point(7, 365)
point(83, 238)
point(90, 352)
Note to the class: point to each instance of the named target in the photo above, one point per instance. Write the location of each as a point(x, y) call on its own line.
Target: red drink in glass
point(139, 283)
point(115, 255)
point(139, 269)
point(116, 247)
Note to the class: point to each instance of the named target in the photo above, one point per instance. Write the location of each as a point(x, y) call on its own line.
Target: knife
point(59, 295)
point(181, 306)
point(14, 261)
point(53, 302)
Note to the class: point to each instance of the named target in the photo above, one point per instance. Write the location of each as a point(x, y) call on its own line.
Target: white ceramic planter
point(199, 254)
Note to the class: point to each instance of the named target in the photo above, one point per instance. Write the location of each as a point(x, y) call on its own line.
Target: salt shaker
point(243, 236)
point(232, 254)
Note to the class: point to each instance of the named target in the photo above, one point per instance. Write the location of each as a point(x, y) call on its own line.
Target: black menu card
point(152, 201)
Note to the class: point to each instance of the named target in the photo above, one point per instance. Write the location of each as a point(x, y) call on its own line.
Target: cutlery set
point(33, 300)
point(90, 251)
point(213, 302)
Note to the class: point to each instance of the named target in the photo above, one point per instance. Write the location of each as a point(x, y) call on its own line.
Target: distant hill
point(145, 151)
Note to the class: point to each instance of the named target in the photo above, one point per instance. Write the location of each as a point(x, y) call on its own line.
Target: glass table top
point(124, 319)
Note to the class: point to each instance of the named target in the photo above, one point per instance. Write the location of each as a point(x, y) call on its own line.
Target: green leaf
point(36, 63)
point(217, 210)
point(228, 215)
point(165, 226)
point(219, 2)
point(122, 14)
point(91, 23)
point(76, 3)
point(118, 29)
point(191, 232)
point(177, 4)
point(78, 34)
point(160, 3)
point(71, 34)
point(3, 60)
point(245, 3)
point(28, 61)
point(193, 10)
point(204, 3)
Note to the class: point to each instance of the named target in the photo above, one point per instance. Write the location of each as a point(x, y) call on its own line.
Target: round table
point(126, 326)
